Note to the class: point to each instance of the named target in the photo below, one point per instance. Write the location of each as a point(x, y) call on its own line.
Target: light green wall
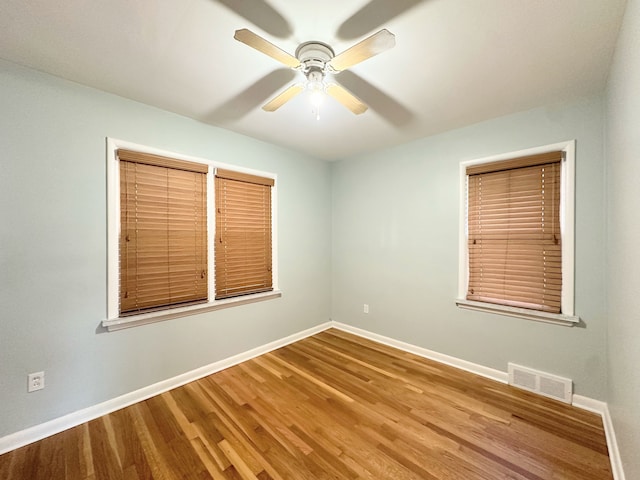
point(395, 247)
point(623, 260)
point(53, 249)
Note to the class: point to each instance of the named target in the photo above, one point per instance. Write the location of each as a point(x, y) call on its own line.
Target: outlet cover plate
point(35, 381)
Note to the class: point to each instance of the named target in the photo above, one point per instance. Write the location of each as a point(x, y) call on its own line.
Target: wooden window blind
point(243, 234)
point(514, 242)
point(163, 232)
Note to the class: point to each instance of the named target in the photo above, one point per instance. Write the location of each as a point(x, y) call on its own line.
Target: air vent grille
point(543, 383)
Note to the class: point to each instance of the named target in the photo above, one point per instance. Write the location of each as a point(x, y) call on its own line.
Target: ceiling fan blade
point(367, 48)
point(256, 41)
point(283, 98)
point(346, 98)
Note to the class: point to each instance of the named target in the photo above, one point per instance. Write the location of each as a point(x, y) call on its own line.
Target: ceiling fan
point(315, 60)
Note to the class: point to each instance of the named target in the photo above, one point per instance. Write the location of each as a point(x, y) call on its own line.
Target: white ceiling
point(456, 62)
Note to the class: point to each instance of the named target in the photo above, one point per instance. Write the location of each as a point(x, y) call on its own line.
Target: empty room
point(362, 239)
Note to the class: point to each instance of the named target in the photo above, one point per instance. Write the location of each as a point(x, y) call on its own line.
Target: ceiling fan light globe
point(316, 87)
point(316, 98)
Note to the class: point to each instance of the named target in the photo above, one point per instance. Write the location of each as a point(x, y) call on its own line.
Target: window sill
point(555, 318)
point(152, 317)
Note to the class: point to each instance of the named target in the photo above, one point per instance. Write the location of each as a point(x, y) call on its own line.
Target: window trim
point(114, 321)
point(567, 226)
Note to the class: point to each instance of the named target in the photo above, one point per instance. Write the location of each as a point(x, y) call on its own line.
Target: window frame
point(116, 322)
point(567, 316)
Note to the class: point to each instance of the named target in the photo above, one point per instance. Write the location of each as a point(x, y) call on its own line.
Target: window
point(163, 232)
point(185, 235)
point(243, 234)
point(516, 234)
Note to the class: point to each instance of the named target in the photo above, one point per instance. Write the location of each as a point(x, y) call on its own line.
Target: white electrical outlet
point(36, 381)
point(366, 308)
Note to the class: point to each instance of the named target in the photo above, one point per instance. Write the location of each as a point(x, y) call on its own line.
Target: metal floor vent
point(543, 383)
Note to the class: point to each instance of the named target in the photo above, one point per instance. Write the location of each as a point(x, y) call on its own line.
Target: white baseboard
point(586, 403)
point(579, 401)
point(57, 425)
point(481, 370)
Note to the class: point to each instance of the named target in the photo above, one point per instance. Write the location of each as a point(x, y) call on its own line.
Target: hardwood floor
point(332, 406)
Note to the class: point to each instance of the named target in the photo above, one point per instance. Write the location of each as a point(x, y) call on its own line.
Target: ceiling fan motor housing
point(314, 56)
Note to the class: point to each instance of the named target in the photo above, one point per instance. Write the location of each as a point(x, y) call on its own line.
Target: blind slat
point(551, 308)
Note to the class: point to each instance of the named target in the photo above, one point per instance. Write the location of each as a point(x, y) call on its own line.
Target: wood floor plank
point(207, 459)
point(331, 406)
point(104, 458)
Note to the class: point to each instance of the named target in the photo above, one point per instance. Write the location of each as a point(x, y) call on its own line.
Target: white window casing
point(567, 228)
point(114, 321)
